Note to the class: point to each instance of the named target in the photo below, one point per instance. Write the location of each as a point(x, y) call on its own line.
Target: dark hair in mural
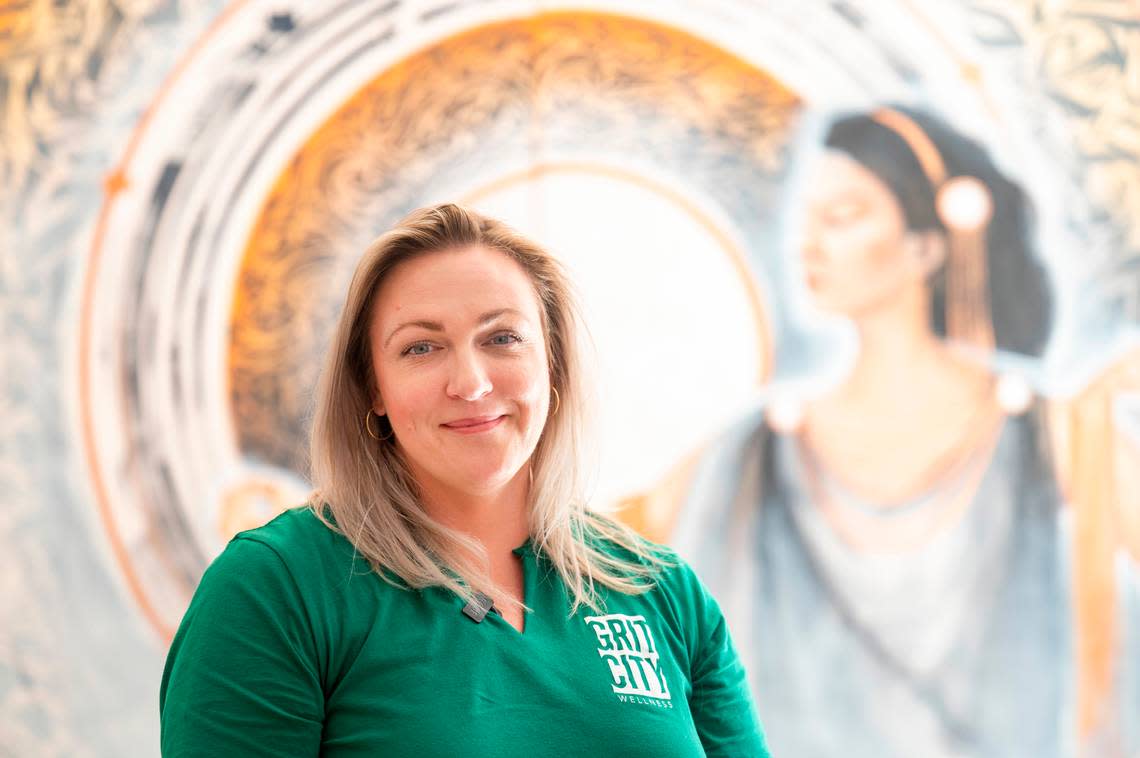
point(1019, 292)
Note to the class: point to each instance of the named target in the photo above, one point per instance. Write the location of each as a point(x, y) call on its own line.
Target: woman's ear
point(927, 250)
point(373, 389)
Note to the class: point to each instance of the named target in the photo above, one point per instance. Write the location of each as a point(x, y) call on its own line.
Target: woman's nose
point(469, 379)
point(812, 250)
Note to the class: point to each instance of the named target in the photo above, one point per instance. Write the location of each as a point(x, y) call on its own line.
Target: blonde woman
point(446, 591)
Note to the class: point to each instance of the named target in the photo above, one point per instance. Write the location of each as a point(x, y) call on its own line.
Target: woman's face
point(857, 253)
point(459, 357)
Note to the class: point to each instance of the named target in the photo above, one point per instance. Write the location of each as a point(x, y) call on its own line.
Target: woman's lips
point(474, 425)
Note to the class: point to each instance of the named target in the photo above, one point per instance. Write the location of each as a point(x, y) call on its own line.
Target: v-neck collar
point(528, 559)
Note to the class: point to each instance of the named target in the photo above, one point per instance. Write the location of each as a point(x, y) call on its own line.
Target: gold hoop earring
point(368, 428)
point(557, 401)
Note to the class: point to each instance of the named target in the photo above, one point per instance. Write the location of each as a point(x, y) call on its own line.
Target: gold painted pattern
point(1087, 56)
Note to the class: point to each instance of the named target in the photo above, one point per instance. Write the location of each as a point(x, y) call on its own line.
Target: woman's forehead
point(460, 286)
point(835, 175)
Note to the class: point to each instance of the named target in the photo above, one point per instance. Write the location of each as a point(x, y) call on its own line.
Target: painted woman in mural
point(896, 553)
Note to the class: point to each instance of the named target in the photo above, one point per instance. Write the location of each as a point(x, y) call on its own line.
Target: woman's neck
point(909, 409)
point(497, 517)
point(898, 353)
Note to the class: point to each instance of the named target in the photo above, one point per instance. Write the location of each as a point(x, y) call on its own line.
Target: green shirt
point(291, 646)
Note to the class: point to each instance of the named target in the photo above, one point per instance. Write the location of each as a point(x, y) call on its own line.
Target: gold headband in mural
point(964, 206)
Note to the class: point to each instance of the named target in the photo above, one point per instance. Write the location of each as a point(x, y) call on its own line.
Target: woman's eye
point(505, 338)
point(420, 348)
point(842, 213)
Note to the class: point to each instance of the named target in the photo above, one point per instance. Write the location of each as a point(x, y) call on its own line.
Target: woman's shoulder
point(296, 566)
point(296, 542)
point(615, 539)
point(670, 574)
point(293, 527)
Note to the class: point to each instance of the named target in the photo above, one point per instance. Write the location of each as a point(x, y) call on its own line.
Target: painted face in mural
point(460, 361)
point(857, 252)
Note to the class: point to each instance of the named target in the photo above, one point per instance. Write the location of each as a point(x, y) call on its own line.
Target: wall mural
point(187, 187)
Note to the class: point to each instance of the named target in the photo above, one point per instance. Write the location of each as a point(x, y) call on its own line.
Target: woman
point(893, 550)
point(446, 592)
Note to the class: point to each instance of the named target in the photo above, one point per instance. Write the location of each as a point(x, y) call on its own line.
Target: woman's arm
point(721, 702)
point(242, 675)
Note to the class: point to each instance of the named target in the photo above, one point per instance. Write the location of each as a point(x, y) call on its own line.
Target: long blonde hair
point(364, 489)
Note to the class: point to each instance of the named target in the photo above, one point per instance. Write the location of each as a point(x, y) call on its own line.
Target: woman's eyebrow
point(431, 326)
point(490, 316)
point(436, 326)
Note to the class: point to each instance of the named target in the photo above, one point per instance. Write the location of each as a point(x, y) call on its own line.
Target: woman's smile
point(474, 425)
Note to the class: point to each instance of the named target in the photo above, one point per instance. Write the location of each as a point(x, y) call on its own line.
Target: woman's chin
point(840, 304)
point(485, 477)
point(826, 303)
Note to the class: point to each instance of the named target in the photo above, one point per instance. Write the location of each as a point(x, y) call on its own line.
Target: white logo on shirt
point(626, 645)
